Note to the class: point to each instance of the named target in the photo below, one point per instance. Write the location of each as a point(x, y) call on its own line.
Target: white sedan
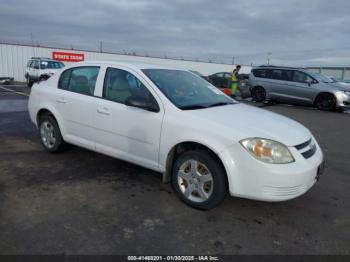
point(174, 122)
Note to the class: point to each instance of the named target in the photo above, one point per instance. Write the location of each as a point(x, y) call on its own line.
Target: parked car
point(297, 86)
point(173, 122)
point(200, 75)
point(6, 80)
point(221, 79)
point(39, 68)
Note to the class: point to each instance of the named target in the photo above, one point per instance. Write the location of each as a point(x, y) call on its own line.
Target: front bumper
point(343, 100)
point(253, 179)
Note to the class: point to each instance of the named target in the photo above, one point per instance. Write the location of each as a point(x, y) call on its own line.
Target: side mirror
point(141, 102)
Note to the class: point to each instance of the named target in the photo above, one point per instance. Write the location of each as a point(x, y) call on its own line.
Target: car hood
point(340, 86)
point(240, 121)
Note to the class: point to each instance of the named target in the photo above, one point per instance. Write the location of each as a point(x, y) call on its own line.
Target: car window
point(63, 83)
point(119, 85)
point(301, 77)
point(29, 63)
point(263, 73)
point(34, 64)
point(227, 75)
point(81, 80)
point(219, 75)
point(280, 74)
point(51, 65)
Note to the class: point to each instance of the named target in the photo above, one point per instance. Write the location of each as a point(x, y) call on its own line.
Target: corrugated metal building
point(13, 60)
point(339, 73)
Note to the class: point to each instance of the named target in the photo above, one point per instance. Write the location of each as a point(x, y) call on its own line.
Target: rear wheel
point(50, 134)
point(258, 94)
point(29, 82)
point(199, 180)
point(326, 102)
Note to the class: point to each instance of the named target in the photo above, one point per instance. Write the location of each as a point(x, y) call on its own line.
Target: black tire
point(258, 94)
point(326, 102)
point(59, 145)
point(29, 82)
point(219, 180)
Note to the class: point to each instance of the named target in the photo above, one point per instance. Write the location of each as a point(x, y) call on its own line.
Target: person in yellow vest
point(234, 80)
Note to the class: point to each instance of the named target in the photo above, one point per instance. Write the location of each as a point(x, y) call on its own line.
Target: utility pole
point(101, 45)
point(233, 60)
point(32, 40)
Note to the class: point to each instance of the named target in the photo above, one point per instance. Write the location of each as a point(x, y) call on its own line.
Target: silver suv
point(297, 86)
point(40, 68)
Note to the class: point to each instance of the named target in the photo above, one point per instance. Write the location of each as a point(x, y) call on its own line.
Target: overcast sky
point(300, 32)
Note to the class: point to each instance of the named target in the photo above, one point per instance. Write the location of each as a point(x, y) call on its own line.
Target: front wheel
point(258, 94)
point(326, 102)
point(199, 180)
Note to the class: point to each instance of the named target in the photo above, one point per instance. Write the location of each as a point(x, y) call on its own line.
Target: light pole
point(268, 57)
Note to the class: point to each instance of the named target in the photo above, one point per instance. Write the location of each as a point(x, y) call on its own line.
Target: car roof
point(278, 67)
point(43, 59)
point(133, 64)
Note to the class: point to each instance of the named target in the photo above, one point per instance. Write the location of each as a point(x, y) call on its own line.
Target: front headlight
point(268, 151)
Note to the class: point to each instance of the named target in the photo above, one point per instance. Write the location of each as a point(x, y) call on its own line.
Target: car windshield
point(321, 78)
point(186, 90)
point(51, 65)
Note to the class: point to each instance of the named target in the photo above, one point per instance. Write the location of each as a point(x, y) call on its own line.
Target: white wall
point(13, 59)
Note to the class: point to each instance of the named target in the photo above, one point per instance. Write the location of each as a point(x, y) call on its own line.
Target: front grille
point(307, 149)
point(284, 191)
point(303, 145)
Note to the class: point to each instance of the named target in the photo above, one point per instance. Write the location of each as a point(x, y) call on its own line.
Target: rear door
point(76, 103)
point(122, 131)
point(281, 85)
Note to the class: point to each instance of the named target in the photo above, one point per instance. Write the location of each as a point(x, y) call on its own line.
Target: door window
point(80, 80)
point(119, 85)
point(301, 77)
point(284, 75)
point(263, 73)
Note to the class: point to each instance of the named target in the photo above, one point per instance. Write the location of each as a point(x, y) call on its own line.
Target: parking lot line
point(13, 91)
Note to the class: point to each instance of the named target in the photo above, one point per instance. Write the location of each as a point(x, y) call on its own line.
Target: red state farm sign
point(68, 57)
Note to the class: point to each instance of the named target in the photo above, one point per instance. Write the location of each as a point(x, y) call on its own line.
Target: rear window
point(80, 80)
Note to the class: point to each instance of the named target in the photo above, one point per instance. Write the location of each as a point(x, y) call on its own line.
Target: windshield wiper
point(190, 107)
point(220, 104)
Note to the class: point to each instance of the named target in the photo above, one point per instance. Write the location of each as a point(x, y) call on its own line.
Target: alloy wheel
point(195, 181)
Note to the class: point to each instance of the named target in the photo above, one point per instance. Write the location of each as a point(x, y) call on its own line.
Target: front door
point(122, 131)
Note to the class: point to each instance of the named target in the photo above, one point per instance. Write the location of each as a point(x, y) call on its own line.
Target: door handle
point(103, 111)
point(61, 100)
